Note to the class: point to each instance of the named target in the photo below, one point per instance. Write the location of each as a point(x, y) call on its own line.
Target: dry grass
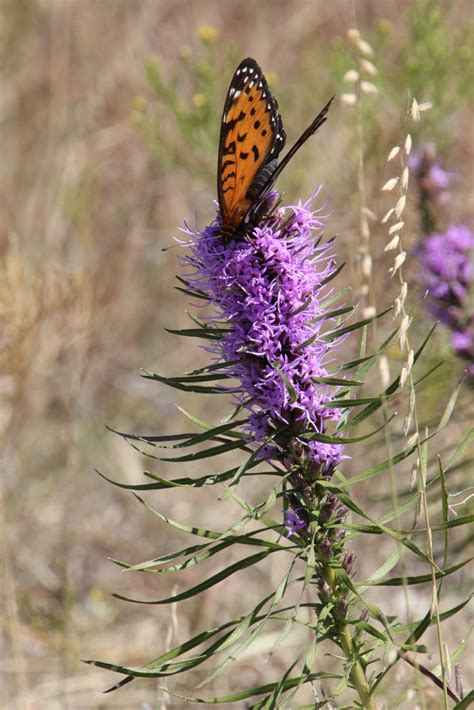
point(85, 292)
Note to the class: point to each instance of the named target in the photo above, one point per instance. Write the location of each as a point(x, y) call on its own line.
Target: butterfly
point(251, 139)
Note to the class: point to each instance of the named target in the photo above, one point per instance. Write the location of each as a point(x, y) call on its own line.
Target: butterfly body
point(252, 137)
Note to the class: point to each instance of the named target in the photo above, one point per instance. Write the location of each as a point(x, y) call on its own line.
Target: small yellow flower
point(139, 103)
point(199, 100)
point(207, 34)
point(96, 594)
point(385, 26)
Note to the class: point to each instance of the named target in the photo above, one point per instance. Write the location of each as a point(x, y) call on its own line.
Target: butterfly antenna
point(315, 125)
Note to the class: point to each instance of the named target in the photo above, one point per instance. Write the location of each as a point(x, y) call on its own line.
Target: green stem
point(357, 673)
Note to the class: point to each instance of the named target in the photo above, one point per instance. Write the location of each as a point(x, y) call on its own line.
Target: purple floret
point(267, 289)
point(433, 181)
point(294, 522)
point(447, 275)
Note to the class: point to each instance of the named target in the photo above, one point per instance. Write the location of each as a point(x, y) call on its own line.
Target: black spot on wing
point(230, 125)
point(228, 177)
point(229, 149)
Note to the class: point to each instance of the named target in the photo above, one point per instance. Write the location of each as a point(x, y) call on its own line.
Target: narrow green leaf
point(393, 387)
point(288, 385)
point(315, 436)
point(207, 584)
point(466, 702)
point(454, 656)
point(207, 453)
point(414, 626)
point(194, 292)
point(327, 315)
point(465, 444)
point(449, 407)
point(337, 381)
point(258, 690)
point(349, 503)
point(332, 335)
point(174, 383)
point(379, 468)
point(207, 334)
point(349, 403)
point(420, 579)
point(301, 308)
point(334, 298)
point(205, 551)
point(246, 622)
point(211, 368)
point(445, 512)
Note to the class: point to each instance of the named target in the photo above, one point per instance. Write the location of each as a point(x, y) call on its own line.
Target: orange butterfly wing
point(252, 135)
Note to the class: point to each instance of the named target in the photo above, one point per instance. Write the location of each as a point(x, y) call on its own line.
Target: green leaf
point(207, 334)
point(189, 439)
point(334, 298)
point(393, 387)
point(205, 551)
point(453, 657)
point(334, 334)
point(207, 453)
point(356, 402)
point(449, 407)
point(417, 628)
point(331, 276)
point(208, 583)
point(466, 702)
point(247, 622)
point(328, 315)
point(272, 701)
point(378, 469)
point(465, 444)
point(190, 290)
point(382, 571)
point(445, 512)
point(301, 308)
point(212, 368)
point(315, 436)
point(177, 385)
point(288, 385)
point(419, 579)
point(335, 381)
point(184, 379)
point(349, 503)
point(258, 690)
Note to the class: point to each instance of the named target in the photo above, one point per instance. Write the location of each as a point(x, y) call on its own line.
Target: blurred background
point(109, 121)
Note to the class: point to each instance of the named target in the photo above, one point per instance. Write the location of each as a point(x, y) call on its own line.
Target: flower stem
point(357, 673)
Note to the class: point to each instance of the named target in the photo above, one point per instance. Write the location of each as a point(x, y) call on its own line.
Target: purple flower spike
point(432, 180)
point(447, 275)
point(266, 290)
